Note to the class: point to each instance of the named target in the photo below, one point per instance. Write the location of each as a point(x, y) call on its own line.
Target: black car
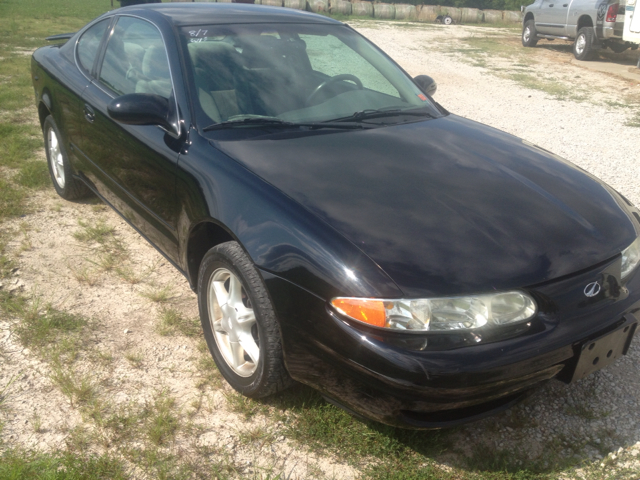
point(340, 227)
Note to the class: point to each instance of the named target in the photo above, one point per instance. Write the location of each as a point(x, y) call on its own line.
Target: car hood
point(446, 206)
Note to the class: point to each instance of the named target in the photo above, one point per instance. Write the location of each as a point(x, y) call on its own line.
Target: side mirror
point(427, 84)
point(141, 109)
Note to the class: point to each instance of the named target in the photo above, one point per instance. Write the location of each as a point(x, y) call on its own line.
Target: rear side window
point(89, 44)
point(135, 60)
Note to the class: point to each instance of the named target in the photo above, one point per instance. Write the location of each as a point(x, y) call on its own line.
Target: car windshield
point(296, 73)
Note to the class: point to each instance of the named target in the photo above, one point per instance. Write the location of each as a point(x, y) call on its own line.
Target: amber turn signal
point(366, 310)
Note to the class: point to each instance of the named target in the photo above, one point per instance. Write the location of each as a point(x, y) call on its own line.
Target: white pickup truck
point(590, 24)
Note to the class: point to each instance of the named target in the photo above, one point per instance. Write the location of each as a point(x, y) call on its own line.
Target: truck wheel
point(529, 34)
point(583, 46)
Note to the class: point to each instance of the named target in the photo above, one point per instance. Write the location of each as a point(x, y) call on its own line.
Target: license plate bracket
point(602, 351)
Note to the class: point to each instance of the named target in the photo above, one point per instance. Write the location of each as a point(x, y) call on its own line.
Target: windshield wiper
point(274, 122)
point(381, 113)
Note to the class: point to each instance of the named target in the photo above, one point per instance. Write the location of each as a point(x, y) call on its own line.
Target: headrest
point(204, 53)
point(155, 64)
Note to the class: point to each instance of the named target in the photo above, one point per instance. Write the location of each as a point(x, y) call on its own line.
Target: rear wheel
point(65, 184)
point(529, 34)
point(239, 323)
point(583, 46)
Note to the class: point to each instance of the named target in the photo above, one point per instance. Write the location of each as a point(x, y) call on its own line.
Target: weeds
point(85, 275)
point(17, 463)
point(158, 295)
point(46, 327)
point(173, 322)
point(79, 389)
point(134, 358)
point(634, 121)
point(162, 423)
point(99, 233)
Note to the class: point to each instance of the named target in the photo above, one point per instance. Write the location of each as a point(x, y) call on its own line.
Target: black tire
point(62, 177)
point(270, 375)
point(583, 45)
point(529, 34)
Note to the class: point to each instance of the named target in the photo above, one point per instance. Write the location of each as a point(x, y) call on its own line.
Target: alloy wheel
point(56, 159)
point(581, 43)
point(233, 322)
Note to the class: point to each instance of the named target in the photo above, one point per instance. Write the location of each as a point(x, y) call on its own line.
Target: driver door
point(134, 167)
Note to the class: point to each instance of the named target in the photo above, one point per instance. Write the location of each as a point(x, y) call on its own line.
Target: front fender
point(279, 235)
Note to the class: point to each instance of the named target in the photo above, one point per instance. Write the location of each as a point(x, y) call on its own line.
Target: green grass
point(20, 464)
point(634, 121)
point(42, 328)
point(13, 200)
point(79, 389)
point(163, 422)
point(33, 174)
point(158, 295)
point(172, 322)
point(100, 232)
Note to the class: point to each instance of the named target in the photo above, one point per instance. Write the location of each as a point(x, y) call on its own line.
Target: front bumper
point(375, 375)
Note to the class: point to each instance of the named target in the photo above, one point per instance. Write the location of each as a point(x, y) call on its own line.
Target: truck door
point(552, 19)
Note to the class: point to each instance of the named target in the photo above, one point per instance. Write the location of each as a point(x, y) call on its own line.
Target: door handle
point(551, 5)
point(565, 5)
point(89, 114)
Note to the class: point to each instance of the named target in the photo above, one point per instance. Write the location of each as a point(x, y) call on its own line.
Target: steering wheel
point(332, 80)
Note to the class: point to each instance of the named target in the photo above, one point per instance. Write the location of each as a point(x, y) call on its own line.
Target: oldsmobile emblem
point(592, 289)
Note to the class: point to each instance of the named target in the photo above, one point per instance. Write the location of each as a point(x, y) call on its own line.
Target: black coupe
point(340, 227)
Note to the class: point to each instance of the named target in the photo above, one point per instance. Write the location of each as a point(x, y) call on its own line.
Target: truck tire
point(583, 46)
point(529, 34)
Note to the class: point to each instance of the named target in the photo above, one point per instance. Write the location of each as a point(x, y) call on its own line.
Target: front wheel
point(529, 34)
point(239, 322)
point(59, 167)
point(583, 46)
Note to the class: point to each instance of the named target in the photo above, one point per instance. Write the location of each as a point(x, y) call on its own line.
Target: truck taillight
point(612, 13)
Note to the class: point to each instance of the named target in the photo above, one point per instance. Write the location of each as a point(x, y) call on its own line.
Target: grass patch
point(158, 295)
point(173, 322)
point(556, 89)
point(42, 328)
point(134, 358)
point(21, 464)
point(34, 175)
point(163, 422)
point(85, 275)
point(19, 142)
point(634, 121)
point(12, 200)
point(100, 232)
point(79, 389)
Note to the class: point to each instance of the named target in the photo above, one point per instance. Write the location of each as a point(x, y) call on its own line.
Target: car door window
point(135, 60)
point(89, 44)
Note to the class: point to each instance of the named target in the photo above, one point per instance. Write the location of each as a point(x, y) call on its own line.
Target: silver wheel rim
point(526, 35)
point(55, 157)
point(581, 43)
point(447, 20)
point(233, 322)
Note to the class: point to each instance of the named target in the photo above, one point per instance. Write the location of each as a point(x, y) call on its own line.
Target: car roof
point(188, 14)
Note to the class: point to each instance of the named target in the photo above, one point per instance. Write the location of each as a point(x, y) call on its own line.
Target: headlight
point(439, 314)
point(630, 258)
